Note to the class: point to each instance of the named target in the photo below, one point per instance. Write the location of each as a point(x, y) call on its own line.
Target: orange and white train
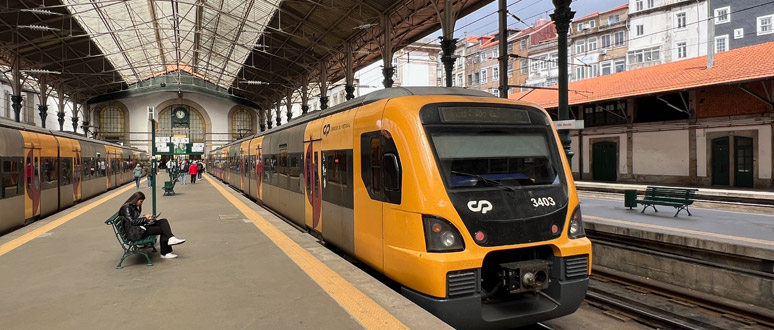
point(466, 200)
point(43, 171)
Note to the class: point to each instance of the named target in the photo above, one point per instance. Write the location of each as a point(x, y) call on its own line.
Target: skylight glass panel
point(138, 37)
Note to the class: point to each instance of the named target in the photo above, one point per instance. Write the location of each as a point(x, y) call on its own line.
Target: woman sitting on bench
point(137, 227)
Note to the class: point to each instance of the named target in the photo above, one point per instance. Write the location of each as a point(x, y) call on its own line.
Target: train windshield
point(496, 157)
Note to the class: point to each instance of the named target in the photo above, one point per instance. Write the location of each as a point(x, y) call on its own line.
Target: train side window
point(391, 172)
point(66, 166)
point(376, 168)
point(391, 169)
point(10, 171)
point(49, 172)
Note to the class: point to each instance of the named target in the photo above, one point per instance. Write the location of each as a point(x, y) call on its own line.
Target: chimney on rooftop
point(540, 21)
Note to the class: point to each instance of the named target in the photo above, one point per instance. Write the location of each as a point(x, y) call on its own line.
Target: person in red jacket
point(192, 169)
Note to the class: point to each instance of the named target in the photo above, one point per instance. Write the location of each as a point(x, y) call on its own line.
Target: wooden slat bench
point(679, 198)
point(130, 247)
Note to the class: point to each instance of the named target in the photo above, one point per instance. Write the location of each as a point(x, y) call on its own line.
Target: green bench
point(679, 198)
point(130, 247)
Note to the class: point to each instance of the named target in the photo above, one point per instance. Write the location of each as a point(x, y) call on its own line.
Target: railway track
point(662, 305)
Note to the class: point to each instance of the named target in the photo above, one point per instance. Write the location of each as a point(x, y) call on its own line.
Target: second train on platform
point(466, 200)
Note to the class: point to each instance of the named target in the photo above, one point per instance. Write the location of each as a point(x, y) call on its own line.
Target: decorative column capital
point(562, 16)
point(323, 102)
point(304, 108)
point(448, 46)
point(350, 89)
point(388, 72)
point(16, 101)
point(43, 112)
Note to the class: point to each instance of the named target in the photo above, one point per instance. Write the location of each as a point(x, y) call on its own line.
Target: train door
point(243, 163)
point(32, 182)
point(259, 172)
point(313, 191)
point(77, 172)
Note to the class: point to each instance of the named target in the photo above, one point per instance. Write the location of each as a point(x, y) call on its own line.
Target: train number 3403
point(542, 201)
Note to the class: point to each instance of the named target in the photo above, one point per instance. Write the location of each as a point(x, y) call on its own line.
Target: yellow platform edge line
point(367, 312)
point(680, 230)
point(21, 240)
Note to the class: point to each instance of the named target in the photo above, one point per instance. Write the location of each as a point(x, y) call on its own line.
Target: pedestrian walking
point(192, 170)
point(199, 172)
point(183, 172)
point(137, 175)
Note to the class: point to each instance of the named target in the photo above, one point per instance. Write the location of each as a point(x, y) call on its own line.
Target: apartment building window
point(496, 92)
point(620, 66)
point(682, 50)
point(495, 53)
point(510, 69)
point(606, 41)
point(483, 76)
point(459, 78)
point(650, 3)
point(534, 65)
point(592, 44)
point(477, 77)
point(765, 25)
point(592, 23)
point(523, 44)
point(638, 5)
point(580, 72)
point(722, 15)
point(470, 79)
point(483, 56)
point(607, 68)
point(721, 43)
point(495, 74)
point(580, 27)
point(543, 63)
point(739, 33)
point(640, 29)
point(554, 60)
point(524, 66)
point(593, 71)
point(680, 18)
point(619, 39)
point(612, 19)
point(645, 55)
point(580, 46)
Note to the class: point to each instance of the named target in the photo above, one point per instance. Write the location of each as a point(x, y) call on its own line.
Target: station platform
point(725, 235)
point(241, 268)
point(744, 196)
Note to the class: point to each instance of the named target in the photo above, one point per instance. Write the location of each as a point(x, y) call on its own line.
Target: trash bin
point(630, 198)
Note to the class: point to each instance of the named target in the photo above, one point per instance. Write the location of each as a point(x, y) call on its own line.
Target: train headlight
point(576, 225)
point(441, 236)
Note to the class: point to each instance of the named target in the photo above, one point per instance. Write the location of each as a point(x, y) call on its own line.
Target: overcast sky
point(484, 20)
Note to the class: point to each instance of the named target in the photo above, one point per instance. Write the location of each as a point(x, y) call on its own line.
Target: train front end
point(503, 233)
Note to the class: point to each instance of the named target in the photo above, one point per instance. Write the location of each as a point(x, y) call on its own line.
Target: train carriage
point(464, 199)
point(44, 171)
point(12, 195)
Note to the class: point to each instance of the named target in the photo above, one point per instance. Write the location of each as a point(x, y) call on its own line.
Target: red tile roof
point(626, 5)
point(737, 65)
point(587, 16)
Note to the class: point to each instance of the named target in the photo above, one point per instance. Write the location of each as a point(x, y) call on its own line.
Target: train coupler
point(523, 276)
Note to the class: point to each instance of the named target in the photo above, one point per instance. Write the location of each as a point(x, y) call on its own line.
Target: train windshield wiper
point(484, 179)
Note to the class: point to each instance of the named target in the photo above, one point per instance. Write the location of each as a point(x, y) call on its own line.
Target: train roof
point(70, 135)
point(386, 93)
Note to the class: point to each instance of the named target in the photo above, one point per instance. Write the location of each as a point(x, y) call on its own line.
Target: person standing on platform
point(199, 171)
point(183, 171)
point(150, 183)
point(137, 175)
point(137, 227)
point(192, 169)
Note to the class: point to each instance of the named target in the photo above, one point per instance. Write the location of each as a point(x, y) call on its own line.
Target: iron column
point(562, 17)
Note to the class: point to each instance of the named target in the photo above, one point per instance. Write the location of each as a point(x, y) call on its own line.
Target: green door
point(743, 167)
point(604, 161)
point(720, 161)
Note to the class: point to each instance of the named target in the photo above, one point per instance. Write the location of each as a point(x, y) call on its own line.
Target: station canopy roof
point(254, 49)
